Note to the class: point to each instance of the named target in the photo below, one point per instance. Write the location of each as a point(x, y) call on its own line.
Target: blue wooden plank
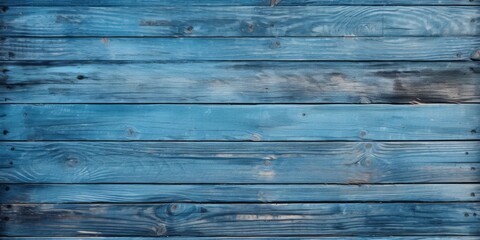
point(241, 21)
point(321, 237)
point(329, 48)
point(240, 82)
point(250, 162)
point(239, 122)
point(150, 3)
point(253, 238)
point(183, 219)
point(148, 193)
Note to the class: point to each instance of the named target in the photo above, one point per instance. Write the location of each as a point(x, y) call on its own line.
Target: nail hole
point(80, 77)
point(472, 194)
point(6, 219)
point(9, 206)
point(7, 188)
point(5, 132)
point(4, 9)
point(12, 149)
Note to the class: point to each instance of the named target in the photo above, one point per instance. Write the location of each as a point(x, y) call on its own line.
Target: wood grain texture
point(184, 219)
point(248, 162)
point(239, 122)
point(329, 48)
point(240, 82)
point(148, 193)
point(240, 21)
point(149, 3)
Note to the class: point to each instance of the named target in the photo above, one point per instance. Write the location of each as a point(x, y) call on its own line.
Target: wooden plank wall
point(268, 119)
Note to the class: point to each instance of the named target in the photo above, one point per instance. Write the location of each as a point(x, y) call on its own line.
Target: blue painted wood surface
point(252, 162)
point(241, 21)
point(239, 122)
point(228, 49)
point(242, 220)
point(240, 82)
point(262, 119)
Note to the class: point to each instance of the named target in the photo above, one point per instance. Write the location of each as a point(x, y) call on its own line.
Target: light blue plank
point(258, 162)
point(182, 219)
point(136, 193)
point(241, 82)
point(240, 122)
point(241, 21)
point(330, 48)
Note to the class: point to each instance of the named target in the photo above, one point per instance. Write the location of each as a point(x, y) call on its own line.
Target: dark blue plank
point(241, 21)
point(239, 122)
point(249, 162)
point(329, 48)
point(241, 82)
point(182, 219)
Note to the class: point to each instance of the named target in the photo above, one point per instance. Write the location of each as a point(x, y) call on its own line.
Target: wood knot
point(188, 29)
point(368, 145)
point(275, 44)
point(11, 55)
point(104, 40)
point(80, 77)
point(5, 132)
point(3, 9)
point(250, 27)
point(160, 230)
point(72, 161)
point(362, 133)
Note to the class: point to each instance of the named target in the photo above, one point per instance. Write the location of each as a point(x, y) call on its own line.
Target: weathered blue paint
point(245, 118)
point(284, 48)
point(240, 122)
point(241, 21)
point(242, 220)
point(241, 82)
point(252, 162)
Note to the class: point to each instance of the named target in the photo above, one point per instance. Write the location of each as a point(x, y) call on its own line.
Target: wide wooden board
point(241, 162)
point(246, 48)
point(240, 82)
point(184, 219)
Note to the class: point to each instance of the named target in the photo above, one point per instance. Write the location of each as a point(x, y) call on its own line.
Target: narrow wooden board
point(189, 3)
point(240, 82)
point(241, 162)
point(329, 48)
point(183, 219)
point(239, 122)
point(241, 21)
point(260, 193)
point(260, 238)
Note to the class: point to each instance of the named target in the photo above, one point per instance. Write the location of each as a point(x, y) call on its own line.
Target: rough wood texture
point(329, 48)
point(183, 219)
point(136, 193)
point(149, 3)
point(240, 82)
point(241, 21)
point(239, 122)
point(248, 162)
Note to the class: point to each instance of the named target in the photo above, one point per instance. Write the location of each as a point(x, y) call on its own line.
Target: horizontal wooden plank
point(260, 238)
point(240, 82)
point(174, 3)
point(184, 219)
point(148, 193)
point(329, 48)
point(251, 162)
point(241, 21)
point(239, 122)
